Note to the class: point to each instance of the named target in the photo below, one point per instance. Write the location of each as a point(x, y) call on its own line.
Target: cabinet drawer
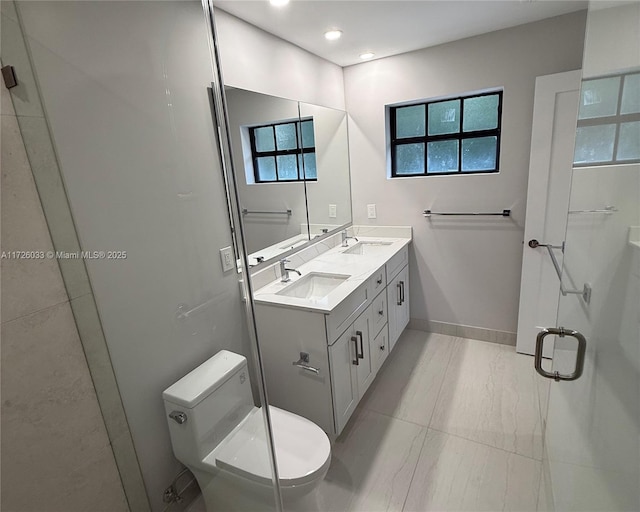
point(395, 264)
point(377, 282)
point(346, 313)
point(380, 347)
point(379, 313)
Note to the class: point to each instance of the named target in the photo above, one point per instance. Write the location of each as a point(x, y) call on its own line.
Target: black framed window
point(284, 151)
point(608, 129)
point(452, 136)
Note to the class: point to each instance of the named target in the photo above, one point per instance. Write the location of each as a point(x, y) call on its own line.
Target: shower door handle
point(562, 332)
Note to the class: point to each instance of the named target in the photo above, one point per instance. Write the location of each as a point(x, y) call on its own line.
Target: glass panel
point(480, 113)
point(264, 139)
point(310, 170)
point(629, 141)
point(308, 139)
point(410, 159)
point(410, 121)
point(594, 143)
point(444, 117)
point(599, 98)
point(442, 156)
point(479, 154)
point(286, 136)
point(631, 94)
point(266, 168)
point(287, 167)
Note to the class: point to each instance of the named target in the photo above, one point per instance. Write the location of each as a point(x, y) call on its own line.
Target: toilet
point(220, 435)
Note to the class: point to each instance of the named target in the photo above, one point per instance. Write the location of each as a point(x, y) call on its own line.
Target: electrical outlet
point(371, 211)
point(226, 258)
point(333, 211)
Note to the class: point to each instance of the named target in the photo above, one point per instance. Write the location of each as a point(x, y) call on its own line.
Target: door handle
point(355, 342)
point(399, 293)
point(402, 292)
point(562, 332)
point(361, 354)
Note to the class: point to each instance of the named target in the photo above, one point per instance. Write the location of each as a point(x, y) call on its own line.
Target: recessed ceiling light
point(278, 3)
point(366, 55)
point(332, 35)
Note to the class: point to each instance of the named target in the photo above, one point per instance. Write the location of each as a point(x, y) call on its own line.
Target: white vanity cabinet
point(346, 346)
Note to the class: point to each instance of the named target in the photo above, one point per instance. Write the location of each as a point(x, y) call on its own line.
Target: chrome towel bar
point(266, 212)
point(607, 209)
point(504, 213)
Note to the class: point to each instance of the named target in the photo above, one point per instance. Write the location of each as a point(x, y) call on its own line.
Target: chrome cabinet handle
point(303, 363)
point(361, 354)
point(562, 332)
point(355, 342)
point(399, 293)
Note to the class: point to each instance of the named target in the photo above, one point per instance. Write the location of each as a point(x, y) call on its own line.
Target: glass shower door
point(592, 434)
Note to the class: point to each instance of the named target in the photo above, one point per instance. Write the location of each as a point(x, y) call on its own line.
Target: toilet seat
point(303, 451)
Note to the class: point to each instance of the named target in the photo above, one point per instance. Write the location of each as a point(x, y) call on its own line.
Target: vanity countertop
point(360, 267)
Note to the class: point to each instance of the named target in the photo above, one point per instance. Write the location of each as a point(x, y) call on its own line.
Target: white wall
point(465, 271)
point(124, 88)
point(255, 60)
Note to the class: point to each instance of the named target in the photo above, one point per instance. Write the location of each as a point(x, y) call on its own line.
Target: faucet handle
point(285, 260)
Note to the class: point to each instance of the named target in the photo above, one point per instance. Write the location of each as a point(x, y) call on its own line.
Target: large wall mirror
point(292, 170)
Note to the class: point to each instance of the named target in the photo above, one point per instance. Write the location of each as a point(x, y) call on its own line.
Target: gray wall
point(56, 454)
point(464, 271)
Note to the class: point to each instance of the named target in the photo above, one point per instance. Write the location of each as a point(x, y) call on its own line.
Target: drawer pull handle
point(379, 281)
point(382, 347)
point(361, 354)
point(355, 342)
point(399, 288)
point(381, 312)
point(401, 292)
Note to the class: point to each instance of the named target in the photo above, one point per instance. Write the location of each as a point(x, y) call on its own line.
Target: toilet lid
point(302, 449)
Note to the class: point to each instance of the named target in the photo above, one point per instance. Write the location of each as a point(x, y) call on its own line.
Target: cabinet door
point(344, 379)
point(398, 305)
point(366, 367)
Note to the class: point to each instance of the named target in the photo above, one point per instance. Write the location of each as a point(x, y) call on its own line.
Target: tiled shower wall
point(56, 453)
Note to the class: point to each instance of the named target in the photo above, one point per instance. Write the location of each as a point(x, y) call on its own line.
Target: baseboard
point(464, 331)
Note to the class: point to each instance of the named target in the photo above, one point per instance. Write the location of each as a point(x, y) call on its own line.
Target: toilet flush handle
point(178, 417)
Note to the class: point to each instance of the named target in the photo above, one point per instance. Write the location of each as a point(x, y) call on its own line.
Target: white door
point(552, 140)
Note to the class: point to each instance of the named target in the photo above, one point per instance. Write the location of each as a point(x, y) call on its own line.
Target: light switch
point(226, 258)
point(371, 211)
point(333, 211)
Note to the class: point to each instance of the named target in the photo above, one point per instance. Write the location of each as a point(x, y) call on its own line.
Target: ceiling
point(388, 27)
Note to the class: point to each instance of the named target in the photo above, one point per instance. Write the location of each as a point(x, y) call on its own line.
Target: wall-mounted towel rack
point(503, 213)
point(183, 311)
point(266, 212)
point(606, 210)
point(586, 290)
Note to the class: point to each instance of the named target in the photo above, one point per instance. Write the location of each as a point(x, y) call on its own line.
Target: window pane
point(442, 156)
point(308, 139)
point(479, 154)
point(264, 139)
point(310, 170)
point(631, 94)
point(286, 137)
point(287, 167)
point(410, 159)
point(410, 121)
point(629, 141)
point(594, 143)
point(267, 168)
point(599, 98)
point(444, 117)
point(480, 113)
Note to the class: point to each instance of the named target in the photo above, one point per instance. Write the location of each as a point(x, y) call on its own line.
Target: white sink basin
point(314, 286)
point(368, 247)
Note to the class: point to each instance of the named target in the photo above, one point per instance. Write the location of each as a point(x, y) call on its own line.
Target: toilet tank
point(215, 397)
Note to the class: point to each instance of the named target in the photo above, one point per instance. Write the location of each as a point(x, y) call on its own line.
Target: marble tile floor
point(449, 424)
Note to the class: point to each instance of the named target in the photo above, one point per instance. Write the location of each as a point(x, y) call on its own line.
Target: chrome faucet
point(284, 271)
point(345, 238)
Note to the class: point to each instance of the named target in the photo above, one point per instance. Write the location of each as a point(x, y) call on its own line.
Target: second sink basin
point(314, 286)
point(366, 247)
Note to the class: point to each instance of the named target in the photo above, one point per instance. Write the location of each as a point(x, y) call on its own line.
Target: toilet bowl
point(219, 434)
